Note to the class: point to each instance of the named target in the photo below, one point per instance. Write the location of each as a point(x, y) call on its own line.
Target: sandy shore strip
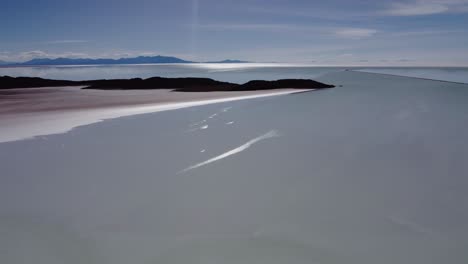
point(29, 112)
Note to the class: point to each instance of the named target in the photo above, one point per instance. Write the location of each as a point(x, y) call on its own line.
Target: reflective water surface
point(238, 73)
point(453, 74)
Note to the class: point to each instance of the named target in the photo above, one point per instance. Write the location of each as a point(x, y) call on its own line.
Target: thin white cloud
point(416, 8)
point(36, 54)
point(66, 41)
point(39, 54)
point(4, 55)
point(426, 7)
point(316, 12)
point(427, 32)
point(350, 33)
point(250, 27)
point(392, 8)
point(355, 33)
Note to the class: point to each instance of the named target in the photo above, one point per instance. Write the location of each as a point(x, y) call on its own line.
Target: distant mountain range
point(135, 60)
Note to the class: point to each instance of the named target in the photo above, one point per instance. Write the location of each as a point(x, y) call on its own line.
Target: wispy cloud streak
point(252, 27)
point(426, 7)
point(66, 41)
point(355, 33)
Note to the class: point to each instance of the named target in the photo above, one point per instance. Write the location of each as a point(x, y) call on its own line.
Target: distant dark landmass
point(228, 61)
point(7, 82)
point(178, 84)
point(283, 83)
point(135, 60)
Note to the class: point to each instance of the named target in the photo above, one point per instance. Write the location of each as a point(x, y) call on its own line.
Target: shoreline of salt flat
point(46, 111)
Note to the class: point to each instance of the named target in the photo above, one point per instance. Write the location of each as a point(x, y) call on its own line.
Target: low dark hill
point(178, 84)
point(284, 83)
point(7, 82)
point(195, 84)
point(204, 84)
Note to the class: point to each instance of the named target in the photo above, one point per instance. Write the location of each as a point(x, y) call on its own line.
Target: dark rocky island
point(7, 82)
point(178, 84)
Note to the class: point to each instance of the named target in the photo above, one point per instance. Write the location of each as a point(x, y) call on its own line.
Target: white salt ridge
point(198, 128)
point(270, 134)
point(409, 225)
point(226, 109)
point(210, 117)
point(197, 123)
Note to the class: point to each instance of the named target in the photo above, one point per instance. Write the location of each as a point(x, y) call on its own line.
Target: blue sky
point(344, 32)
